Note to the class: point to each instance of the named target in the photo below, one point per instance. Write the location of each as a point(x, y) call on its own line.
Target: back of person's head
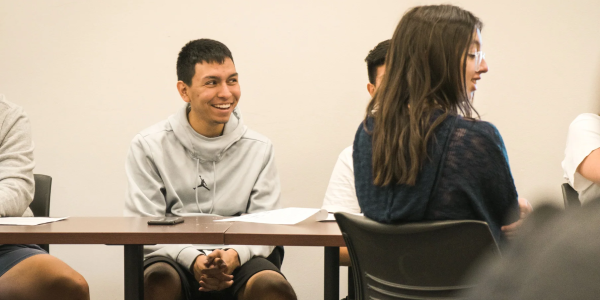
point(425, 72)
point(556, 257)
point(199, 51)
point(376, 59)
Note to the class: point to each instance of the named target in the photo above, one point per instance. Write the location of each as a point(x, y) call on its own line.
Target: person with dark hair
point(376, 65)
point(203, 160)
point(340, 194)
point(419, 153)
point(27, 271)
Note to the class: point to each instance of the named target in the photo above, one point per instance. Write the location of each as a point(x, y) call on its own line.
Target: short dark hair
point(376, 58)
point(199, 51)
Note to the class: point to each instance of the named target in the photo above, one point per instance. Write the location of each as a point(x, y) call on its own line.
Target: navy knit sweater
point(474, 182)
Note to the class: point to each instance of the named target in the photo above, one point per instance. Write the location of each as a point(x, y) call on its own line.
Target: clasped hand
point(213, 271)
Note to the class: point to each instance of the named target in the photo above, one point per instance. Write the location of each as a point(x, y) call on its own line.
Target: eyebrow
point(476, 42)
point(216, 77)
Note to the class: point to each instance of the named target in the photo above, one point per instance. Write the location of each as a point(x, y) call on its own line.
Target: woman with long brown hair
point(420, 154)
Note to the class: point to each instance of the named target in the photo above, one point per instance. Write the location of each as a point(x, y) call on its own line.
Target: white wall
point(91, 74)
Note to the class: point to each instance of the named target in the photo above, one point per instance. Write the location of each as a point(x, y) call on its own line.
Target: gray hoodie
point(16, 161)
point(173, 170)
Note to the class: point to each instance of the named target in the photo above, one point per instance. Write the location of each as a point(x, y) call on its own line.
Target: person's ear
point(183, 91)
point(371, 89)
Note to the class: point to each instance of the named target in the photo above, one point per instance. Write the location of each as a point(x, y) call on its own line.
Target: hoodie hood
point(204, 148)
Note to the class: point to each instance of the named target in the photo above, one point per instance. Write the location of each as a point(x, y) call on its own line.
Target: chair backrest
point(414, 260)
point(570, 196)
point(40, 206)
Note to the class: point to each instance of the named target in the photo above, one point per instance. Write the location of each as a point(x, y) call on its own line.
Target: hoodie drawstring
point(196, 189)
point(214, 186)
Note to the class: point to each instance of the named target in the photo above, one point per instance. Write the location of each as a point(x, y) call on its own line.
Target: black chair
point(40, 206)
point(570, 196)
point(416, 260)
point(351, 289)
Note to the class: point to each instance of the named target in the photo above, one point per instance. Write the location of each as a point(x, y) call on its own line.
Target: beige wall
point(91, 74)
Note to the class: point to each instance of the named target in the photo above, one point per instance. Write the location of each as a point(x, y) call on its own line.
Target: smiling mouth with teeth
point(222, 106)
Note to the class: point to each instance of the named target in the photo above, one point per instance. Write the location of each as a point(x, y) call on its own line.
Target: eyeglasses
point(479, 56)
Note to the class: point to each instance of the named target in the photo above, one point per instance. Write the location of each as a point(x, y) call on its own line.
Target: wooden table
point(131, 232)
point(134, 232)
point(309, 233)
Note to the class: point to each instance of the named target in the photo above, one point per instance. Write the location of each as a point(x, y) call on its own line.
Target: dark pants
point(11, 255)
point(241, 275)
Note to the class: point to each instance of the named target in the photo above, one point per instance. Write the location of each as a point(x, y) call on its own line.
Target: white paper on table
point(284, 216)
point(28, 220)
point(331, 217)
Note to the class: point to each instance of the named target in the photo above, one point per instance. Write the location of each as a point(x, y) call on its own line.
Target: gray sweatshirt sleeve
point(267, 189)
point(265, 196)
point(144, 198)
point(16, 161)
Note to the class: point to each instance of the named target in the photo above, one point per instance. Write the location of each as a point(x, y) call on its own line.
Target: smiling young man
point(204, 160)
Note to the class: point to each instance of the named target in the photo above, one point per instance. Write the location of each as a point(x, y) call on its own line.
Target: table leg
point(332, 273)
point(134, 272)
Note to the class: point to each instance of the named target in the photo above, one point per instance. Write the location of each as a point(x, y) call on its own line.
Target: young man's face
point(214, 93)
point(372, 88)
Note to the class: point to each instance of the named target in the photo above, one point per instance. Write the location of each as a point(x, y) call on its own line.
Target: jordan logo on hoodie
point(202, 184)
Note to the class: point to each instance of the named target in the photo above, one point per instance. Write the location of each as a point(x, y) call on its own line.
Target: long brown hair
point(425, 72)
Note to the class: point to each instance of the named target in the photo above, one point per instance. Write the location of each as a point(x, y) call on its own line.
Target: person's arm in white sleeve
point(340, 195)
point(581, 153)
point(265, 196)
point(16, 164)
point(589, 168)
point(145, 198)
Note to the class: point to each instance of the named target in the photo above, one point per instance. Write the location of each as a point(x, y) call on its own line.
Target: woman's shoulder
point(362, 138)
point(365, 127)
point(478, 130)
point(475, 125)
